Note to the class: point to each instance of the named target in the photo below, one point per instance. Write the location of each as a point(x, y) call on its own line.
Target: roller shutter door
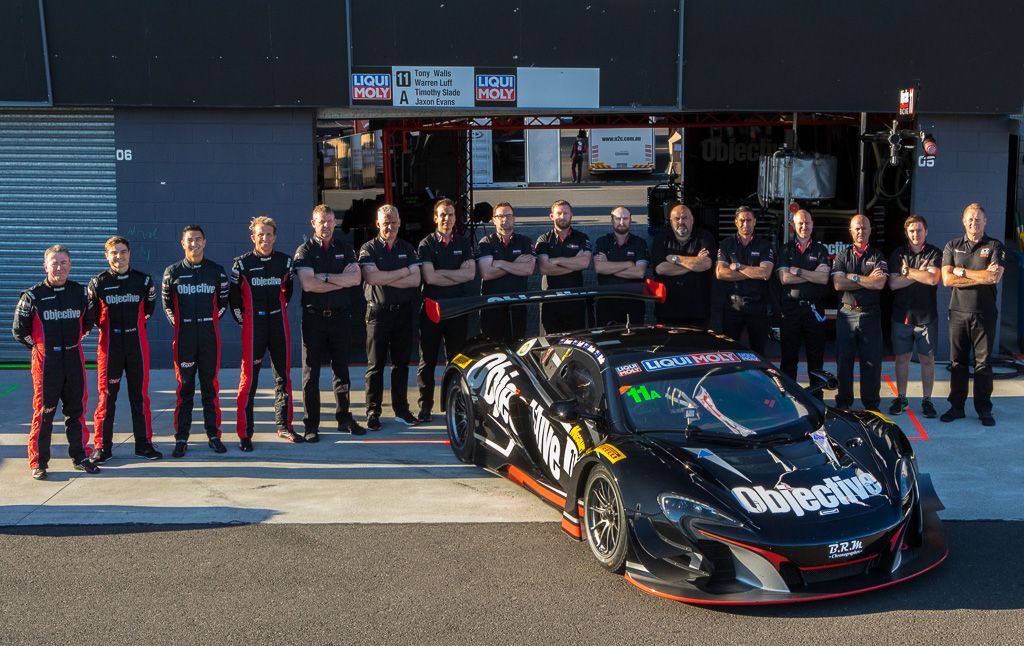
point(57, 185)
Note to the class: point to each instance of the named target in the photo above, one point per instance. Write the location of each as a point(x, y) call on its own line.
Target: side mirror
point(825, 381)
point(566, 410)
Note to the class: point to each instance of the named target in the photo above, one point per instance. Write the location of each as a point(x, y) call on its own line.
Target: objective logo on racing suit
point(825, 498)
point(261, 281)
point(191, 290)
point(61, 315)
point(117, 299)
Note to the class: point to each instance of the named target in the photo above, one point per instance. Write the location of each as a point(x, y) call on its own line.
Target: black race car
point(691, 464)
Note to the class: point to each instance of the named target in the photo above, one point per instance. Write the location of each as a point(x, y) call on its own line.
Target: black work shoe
point(952, 414)
point(424, 417)
point(87, 466)
point(290, 435)
point(987, 419)
point(928, 409)
point(373, 421)
point(312, 437)
point(179, 448)
point(148, 452)
point(245, 444)
point(99, 456)
point(352, 426)
point(39, 474)
point(407, 417)
point(898, 406)
point(217, 445)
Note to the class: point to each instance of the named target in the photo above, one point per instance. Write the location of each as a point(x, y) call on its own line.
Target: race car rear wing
point(446, 308)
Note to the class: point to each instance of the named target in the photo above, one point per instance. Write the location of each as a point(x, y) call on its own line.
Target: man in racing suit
point(195, 296)
point(123, 300)
point(51, 318)
point(261, 286)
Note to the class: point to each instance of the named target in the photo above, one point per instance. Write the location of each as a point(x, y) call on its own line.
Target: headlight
point(677, 508)
point(906, 477)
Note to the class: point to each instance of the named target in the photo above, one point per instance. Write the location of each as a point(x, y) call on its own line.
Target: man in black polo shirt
point(860, 273)
point(745, 263)
point(562, 255)
point(391, 272)
point(973, 266)
point(327, 272)
point(914, 279)
point(620, 257)
point(506, 261)
point(682, 256)
point(804, 272)
point(447, 266)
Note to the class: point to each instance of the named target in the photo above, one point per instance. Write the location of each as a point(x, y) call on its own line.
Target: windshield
point(743, 402)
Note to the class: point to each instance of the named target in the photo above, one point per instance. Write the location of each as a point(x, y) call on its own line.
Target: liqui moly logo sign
point(496, 87)
point(371, 87)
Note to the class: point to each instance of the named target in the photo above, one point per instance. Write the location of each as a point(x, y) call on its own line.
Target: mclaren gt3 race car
point(690, 464)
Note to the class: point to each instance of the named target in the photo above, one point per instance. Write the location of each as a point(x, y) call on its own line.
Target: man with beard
point(620, 257)
point(506, 261)
point(859, 272)
point(745, 263)
point(682, 256)
point(562, 255)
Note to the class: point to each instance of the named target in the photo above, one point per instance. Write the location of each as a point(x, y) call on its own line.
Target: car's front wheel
point(604, 519)
point(459, 420)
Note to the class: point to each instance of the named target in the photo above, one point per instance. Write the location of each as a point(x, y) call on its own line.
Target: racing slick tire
point(604, 519)
point(459, 421)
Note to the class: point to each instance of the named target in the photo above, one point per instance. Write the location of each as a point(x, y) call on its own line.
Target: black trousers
point(388, 332)
point(577, 169)
point(57, 377)
point(967, 331)
point(262, 332)
point(614, 311)
point(752, 319)
point(505, 324)
point(800, 324)
point(453, 333)
point(859, 334)
point(197, 350)
point(122, 356)
point(325, 339)
point(562, 317)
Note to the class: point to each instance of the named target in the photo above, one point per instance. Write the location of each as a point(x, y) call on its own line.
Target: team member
point(745, 262)
point(328, 273)
point(914, 279)
point(972, 265)
point(51, 318)
point(682, 256)
point(261, 286)
point(447, 266)
point(620, 257)
point(804, 273)
point(860, 273)
point(123, 300)
point(391, 272)
point(195, 296)
point(506, 261)
point(562, 255)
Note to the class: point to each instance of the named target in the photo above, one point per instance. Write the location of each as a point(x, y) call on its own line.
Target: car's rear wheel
point(459, 420)
point(604, 519)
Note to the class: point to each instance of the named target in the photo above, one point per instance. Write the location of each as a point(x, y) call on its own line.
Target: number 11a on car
point(641, 394)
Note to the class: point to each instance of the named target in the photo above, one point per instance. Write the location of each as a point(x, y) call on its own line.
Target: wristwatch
point(799, 271)
point(855, 278)
point(959, 272)
point(735, 266)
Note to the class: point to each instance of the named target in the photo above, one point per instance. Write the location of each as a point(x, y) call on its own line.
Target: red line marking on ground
point(910, 413)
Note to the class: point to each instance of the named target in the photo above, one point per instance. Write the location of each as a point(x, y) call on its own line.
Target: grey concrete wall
point(971, 167)
point(217, 168)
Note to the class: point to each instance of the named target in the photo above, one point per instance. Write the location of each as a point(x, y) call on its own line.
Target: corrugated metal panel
point(57, 185)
